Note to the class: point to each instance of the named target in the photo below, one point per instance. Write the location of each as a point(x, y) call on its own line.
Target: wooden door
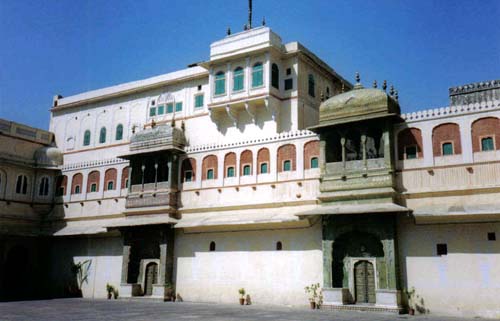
point(150, 278)
point(364, 279)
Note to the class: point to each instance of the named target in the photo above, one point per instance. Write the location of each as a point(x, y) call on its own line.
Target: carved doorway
point(150, 278)
point(364, 280)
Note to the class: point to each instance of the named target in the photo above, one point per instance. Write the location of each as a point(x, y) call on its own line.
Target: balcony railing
point(150, 194)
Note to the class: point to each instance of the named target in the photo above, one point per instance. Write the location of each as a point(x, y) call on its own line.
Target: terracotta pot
point(242, 301)
point(313, 304)
point(411, 311)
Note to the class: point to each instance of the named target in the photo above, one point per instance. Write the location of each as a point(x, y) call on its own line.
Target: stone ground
point(86, 310)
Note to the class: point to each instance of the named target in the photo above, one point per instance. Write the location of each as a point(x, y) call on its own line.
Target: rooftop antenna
point(249, 14)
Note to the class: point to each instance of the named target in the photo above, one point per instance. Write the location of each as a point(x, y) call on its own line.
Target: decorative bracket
point(271, 108)
point(251, 112)
point(232, 115)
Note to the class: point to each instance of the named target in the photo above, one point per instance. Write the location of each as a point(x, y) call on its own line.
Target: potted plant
point(110, 289)
point(242, 296)
point(312, 291)
point(410, 295)
point(169, 292)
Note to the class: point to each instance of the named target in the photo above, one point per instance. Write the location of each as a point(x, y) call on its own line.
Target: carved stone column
point(327, 263)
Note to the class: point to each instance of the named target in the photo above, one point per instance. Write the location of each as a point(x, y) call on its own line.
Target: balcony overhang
point(233, 108)
point(441, 214)
point(355, 209)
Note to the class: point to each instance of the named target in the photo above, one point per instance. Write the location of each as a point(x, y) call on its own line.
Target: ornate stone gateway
point(364, 280)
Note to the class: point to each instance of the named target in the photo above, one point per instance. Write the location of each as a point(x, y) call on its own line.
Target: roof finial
point(183, 126)
point(153, 123)
point(384, 85)
point(263, 21)
point(391, 92)
point(343, 87)
point(228, 31)
point(173, 121)
point(249, 14)
point(358, 79)
point(374, 84)
point(322, 96)
point(396, 96)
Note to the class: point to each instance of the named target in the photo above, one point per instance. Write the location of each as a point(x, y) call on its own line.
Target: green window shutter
point(246, 170)
point(170, 108)
point(152, 111)
point(178, 106)
point(314, 162)
point(263, 168)
point(210, 174)
point(287, 166)
point(188, 176)
point(77, 189)
point(161, 110)
point(289, 84)
point(411, 152)
point(487, 144)
point(238, 79)
point(198, 101)
point(102, 135)
point(230, 172)
point(119, 132)
point(93, 187)
point(257, 75)
point(86, 138)
point(447, 149)
point(220, 83)
point(110, 186)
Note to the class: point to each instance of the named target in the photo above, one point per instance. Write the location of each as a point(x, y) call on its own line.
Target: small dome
point(49, 156)
point(355, 105)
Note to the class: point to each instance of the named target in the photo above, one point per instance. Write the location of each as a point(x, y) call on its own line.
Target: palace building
point(260, 168)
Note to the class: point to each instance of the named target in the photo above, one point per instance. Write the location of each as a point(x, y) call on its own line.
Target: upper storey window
point(220, 83)
point(198, 101)
point(486, 134)
point(102, 135)
point(86, 138)
point(238, 79)
point(43, 189)
point(487, 144)
point(275, 76)
point(257, 75)
point(311, 86)
point(119, 132)
point(447, 149)
point(22, 185)
point(178, 106)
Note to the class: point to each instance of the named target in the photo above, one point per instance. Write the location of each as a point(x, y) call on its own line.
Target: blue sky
point(67, 47)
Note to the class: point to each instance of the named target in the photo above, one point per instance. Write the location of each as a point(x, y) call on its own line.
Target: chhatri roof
point(357, 104)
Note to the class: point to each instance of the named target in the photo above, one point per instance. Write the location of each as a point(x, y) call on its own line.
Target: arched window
point(311, 154)
point(102, 135)
point(410, 144)
point(279, 246)
point(486, 134)
point(43, 189)
point(230, 164)
point(209, 167)
point(125, 181)
point(263, 160)
point(353, 150)
point(62, 182)
point(311, 86)
point(238, 79)
point(257, 75)
point(119, 132)
point(246, 161)
point(220, 83)
point(76, 183)
point(327, 92)
point(22, 184)
point(86, 138)
point(93, 182)
point(188, 170)
point(110, 179)
point(286, 158)
point(275, 76)
point(212, 246)
point(446, 140)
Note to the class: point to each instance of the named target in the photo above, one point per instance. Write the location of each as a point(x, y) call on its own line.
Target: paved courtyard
point(83, 309)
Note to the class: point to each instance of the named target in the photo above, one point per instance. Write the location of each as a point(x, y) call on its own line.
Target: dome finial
point(391, 92)
point(374, 84)
point(343, 87)
point(228, 31)
point(396, 96)
point(358, 79)
point(384, 85)
point(263, 21)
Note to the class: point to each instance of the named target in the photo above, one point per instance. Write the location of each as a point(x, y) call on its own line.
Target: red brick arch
point(93, 178)
point(188, 164)
point(209, 161)
point(62, 185)
point(229, 161)
point(124, 177)
point(110, 176)
point(311, 149)
point(485, 127)
point(287, 152)
point(246, 158)
point(410, 137)
point(449, 132)
point(76, 180)
point(263, 156)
